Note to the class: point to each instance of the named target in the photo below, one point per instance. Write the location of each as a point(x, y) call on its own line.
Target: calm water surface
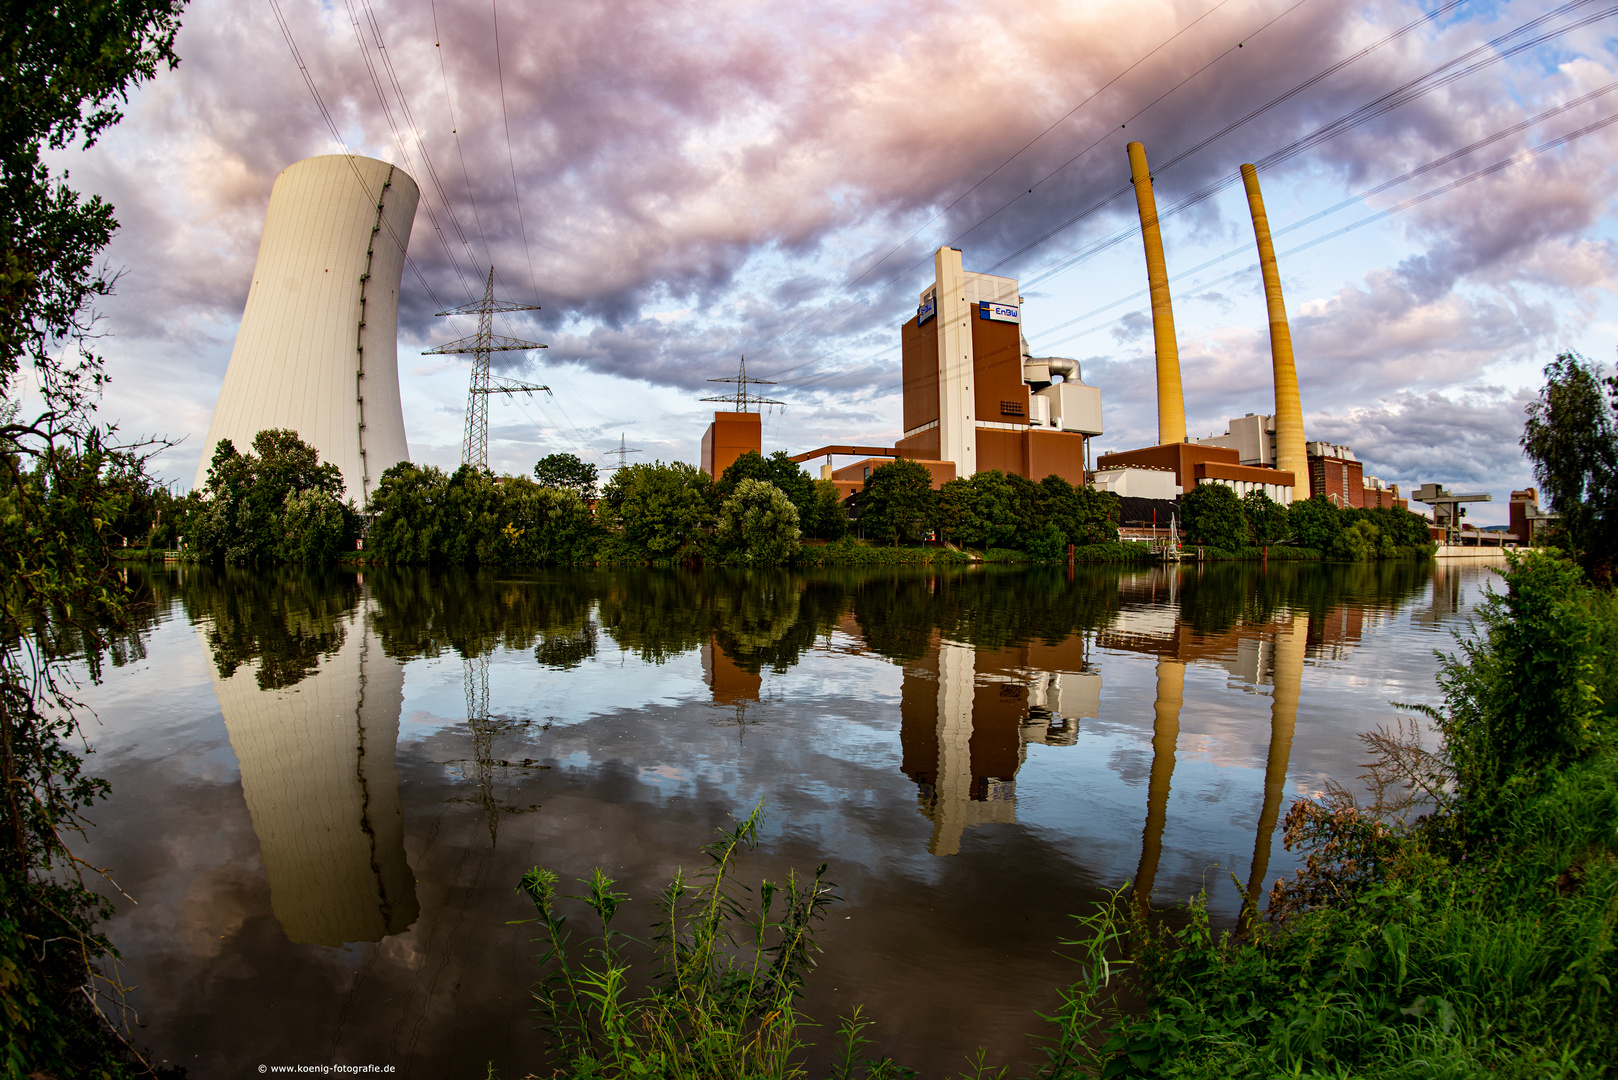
point(326, 788)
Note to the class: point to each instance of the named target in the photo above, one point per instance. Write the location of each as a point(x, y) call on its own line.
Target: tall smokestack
point(1170, 398)
point(1290, 455)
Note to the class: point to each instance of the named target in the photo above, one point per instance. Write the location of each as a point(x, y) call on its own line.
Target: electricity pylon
point(623, 452)
point(475, 443)
point(741, 398)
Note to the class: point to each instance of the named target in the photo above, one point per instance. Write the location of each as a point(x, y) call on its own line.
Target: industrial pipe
point(1170, 397)
point(1290, 453)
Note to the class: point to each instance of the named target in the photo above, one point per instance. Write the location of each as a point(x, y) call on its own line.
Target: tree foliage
point(1213, 516)
point(896, 505)
point(1266, 519)
point(471, 518)
point(566, 472)
point(64, 70)
point(758, 525)
point(1572, 439)
point(277, 503)
point(665, 511)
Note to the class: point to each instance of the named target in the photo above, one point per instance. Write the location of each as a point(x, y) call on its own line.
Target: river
point(325, 788)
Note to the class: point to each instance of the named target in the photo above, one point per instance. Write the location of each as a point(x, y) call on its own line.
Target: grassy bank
point(1461, 924)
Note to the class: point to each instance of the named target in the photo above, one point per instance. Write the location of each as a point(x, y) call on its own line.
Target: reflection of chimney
point(1165, 734)
point(317, 767)
point(1290, 454)
point(1290, 644)
point(731, 683)
point(1170, 398)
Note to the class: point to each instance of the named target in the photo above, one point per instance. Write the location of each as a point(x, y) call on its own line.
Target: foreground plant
point(726, 974)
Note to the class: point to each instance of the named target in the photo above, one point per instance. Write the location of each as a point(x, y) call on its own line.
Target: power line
point(533, 282)
point(1093, 208)
point(1423, 84)
point(1370, 219)
point(1368, 193)
point(455, 130)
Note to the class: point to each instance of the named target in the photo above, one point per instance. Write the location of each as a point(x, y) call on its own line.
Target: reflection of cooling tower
point(316, 351)
point(317, 770)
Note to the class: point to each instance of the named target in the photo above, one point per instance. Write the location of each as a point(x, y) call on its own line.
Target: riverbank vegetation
point(65, 485)
point(1228, 526)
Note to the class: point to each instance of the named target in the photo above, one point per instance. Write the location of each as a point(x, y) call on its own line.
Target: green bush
point(243, 517)
point(758, 525)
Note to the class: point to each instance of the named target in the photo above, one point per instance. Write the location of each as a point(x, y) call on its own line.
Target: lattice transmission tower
point(475, 443)
point(741, 398)
point(622, 452)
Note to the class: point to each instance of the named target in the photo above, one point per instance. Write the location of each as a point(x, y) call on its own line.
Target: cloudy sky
point(681, 184)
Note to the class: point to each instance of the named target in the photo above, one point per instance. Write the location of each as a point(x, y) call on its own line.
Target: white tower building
point(317, 347)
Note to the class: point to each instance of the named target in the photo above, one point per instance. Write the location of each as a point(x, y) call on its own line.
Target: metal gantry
point(475, 443)
point(741, 398)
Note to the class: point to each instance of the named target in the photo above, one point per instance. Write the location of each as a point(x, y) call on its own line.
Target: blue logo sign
point(1000, 312)
point(928, 308)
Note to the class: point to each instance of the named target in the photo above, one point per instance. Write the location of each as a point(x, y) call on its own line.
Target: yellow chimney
point(1170, 398)
point(1290, 455)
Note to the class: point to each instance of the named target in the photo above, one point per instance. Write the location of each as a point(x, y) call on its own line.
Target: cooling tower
point(1170, 397)
point(316, 351)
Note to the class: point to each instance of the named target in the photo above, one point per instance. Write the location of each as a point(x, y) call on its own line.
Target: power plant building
point(974, 397)
point(317, 348)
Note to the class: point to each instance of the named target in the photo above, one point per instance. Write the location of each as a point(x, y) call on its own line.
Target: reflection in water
point(966, 717)
point(1165, 738)
point(1290, 644)
point(317, 768)
point(944, 675)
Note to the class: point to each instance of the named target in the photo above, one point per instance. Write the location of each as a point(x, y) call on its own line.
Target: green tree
point(955, 513)
point(1315, 523)
point(312, 529)
point(565, 472)
point(777, 469)
point(663, 511)
point(1572, 439)
point(1213, 516)
point(406, 506)
point(249, 497)
point(827, 520)
point(1360, 541)
point(65, 68)
point(1533, 688)
point(543, 526)
point(1084, 515)
point(897, 503)
point(1266, 519)
point(758, 524)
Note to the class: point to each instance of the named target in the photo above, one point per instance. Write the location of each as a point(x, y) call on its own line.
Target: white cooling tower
point(317, 347)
